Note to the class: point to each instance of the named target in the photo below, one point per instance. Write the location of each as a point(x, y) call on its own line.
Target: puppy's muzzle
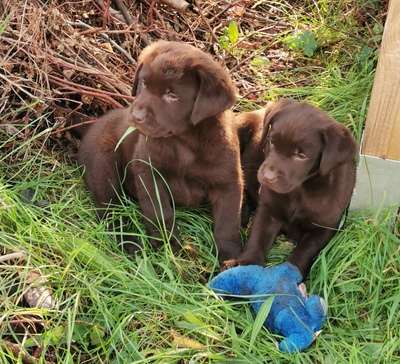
point(139, 115)
point(270, 175)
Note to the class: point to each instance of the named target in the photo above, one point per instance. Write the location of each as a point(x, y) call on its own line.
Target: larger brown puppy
point(307, 177)
point(185, 133)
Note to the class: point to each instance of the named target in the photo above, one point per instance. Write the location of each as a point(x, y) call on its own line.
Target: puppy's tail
point(78, 124)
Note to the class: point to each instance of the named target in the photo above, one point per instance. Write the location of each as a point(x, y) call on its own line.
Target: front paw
point(228, 264)
point(131, 247)
point(158, 240)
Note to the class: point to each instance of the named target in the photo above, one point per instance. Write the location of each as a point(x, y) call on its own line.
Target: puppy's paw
point(131, 248)
point(227, 264)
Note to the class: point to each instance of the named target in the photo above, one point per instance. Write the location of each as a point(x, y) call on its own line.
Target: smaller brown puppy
point(250, 128)
point(307, 178)
point(185, 148)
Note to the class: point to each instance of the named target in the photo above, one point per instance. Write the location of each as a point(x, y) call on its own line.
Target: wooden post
point(378, 174)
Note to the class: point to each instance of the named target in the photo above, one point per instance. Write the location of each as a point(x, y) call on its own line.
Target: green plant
point(229, 37)
point(4, 24)
point(304, 41)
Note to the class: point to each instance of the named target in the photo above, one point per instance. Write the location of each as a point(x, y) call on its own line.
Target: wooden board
point(382, 130)
point(378, 173)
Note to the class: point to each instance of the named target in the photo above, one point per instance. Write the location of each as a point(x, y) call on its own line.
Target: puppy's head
point(301, 141)
point(176, 87)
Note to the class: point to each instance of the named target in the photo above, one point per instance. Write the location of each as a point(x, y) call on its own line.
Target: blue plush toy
point(293, 314)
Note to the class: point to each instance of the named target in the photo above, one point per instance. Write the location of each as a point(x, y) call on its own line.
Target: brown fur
point(307, 177)
point(185, 131)
point(249, 129)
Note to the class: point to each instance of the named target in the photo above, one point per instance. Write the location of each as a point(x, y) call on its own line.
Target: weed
point(304, 41)
point(229, 37)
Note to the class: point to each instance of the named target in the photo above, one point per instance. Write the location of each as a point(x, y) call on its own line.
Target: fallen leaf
point(238, 10)
point(37, 295)
point(186, 342)
point(107, 46)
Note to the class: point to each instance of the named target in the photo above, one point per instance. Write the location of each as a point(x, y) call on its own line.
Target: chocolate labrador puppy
point(185, 147)
point(306, 179)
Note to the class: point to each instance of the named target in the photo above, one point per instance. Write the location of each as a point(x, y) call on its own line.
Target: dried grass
point(61, 56)
point(57, 57)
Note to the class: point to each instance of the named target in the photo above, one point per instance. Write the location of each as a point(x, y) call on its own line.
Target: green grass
point(155, 308)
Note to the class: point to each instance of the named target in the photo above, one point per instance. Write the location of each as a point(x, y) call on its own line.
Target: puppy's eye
point(271, 142)
point(144, 84)
point(170, 96)
point(298, 154)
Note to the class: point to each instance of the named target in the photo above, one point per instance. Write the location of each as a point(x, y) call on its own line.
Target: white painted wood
point(377, 185)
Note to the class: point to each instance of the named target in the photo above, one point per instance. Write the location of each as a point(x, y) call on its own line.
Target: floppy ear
point(216, 94)
point(272, 112)
point(136, 79)
point(339, 147)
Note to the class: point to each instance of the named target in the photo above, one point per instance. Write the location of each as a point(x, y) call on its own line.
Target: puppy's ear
point(136, 79)
point(339, 147)
point(216, 94)
point(272, 114)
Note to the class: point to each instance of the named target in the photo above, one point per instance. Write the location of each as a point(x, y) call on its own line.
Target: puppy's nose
point(271, 176)
point(139, 115)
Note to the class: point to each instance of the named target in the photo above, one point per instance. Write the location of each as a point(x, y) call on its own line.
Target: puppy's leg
point(309, 247)
point(264, 230)
point(102, 178)
point(100, 175)
point(226, 206)
point(155, 202)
